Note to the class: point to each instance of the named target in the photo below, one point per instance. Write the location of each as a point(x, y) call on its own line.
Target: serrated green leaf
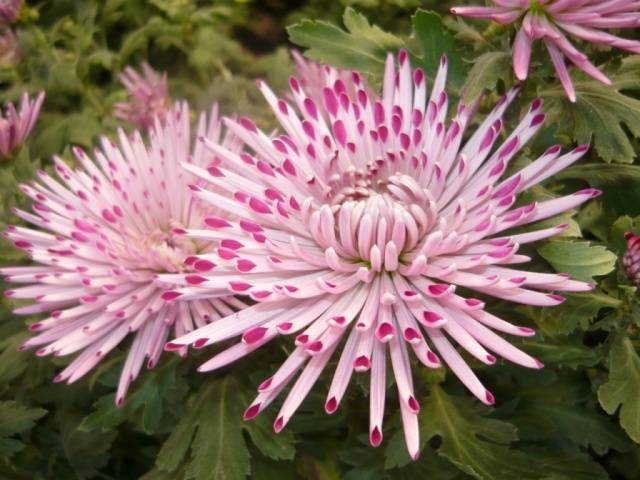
point(487, 69)
point(277, 447)
point(477, 445)
point(218, 449)
point(622, 390)
point(562, 352)
point(212, 430)
point(435, 41)
point(579, 259)
point(544, 418)
point(147, 397)
point(576, 312)
point(15, 418)
point(602, 114)
point(12, 362)
point(361, 47)
point(599, 172)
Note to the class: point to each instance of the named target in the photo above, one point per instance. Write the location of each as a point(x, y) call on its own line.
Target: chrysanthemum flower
point(631, 258)
point(15, 125)
point(104, 232)
point(148, 97)
point(314, 77)
point(9, 10)
point(551, 20)
point(371, 221)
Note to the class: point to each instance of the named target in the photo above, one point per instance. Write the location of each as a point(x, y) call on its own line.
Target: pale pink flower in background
point(104, 232)
point(148, 97)
point(10, 52)
point(15, 125)
point(9, 10)
point(552, 20)
point(631, 258)
point(360, 223)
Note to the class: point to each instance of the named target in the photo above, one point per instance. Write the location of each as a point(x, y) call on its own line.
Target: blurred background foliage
point(579, 418)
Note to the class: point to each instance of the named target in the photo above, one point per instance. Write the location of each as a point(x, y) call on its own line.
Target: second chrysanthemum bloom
point(356, 229)
point(104, 230)
point(552, 20)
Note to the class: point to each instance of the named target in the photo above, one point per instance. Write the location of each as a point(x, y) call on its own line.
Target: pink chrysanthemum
point(15, 125)
point(314, 77)
point(148, 97)
point(9, 10)
point(551, 19)
point(105, 231)
point(631, 258)
point(361, 224)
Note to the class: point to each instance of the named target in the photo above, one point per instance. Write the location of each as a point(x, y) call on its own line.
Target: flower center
point(166, 251)
point(372, 218)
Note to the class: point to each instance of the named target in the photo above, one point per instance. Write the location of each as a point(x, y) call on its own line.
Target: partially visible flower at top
point(148, 97)
point(357, 229)
point(9, 10)
point(549, 20)
point(15, 125)
point(104, 231)
point(9, 48)
point(314, 77)
point(631, 258)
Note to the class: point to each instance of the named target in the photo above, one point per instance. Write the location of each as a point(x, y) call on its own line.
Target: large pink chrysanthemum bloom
point(9, 10)
point(551, 19)
point(104, 232)
point(148, 97)
point(15, 125)
point(361, 224)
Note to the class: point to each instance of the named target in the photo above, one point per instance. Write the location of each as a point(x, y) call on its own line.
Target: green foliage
point(435, 40)
point(602, 114)
point(15, 418)
point(212, 430)
point(477, 445)
point(576, 419)
point(579, 259)
point(487, 70)
point(622, 389)
point(362, 47)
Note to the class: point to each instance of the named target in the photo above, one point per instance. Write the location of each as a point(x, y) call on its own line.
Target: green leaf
point(277, 447)
point(12, 362)
point(477, 445)
point(561, 352)
point(579, 259)
point(576, 312)
point(218, 448)
point(599, 172)
point(601, 113)
point(622, 390)
point(15, 418)
point(436, 40)
point(487, 69)
point(212, 430)
point(86, 452)
point(361, 47)
point(544, 418)
point(148, 397)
